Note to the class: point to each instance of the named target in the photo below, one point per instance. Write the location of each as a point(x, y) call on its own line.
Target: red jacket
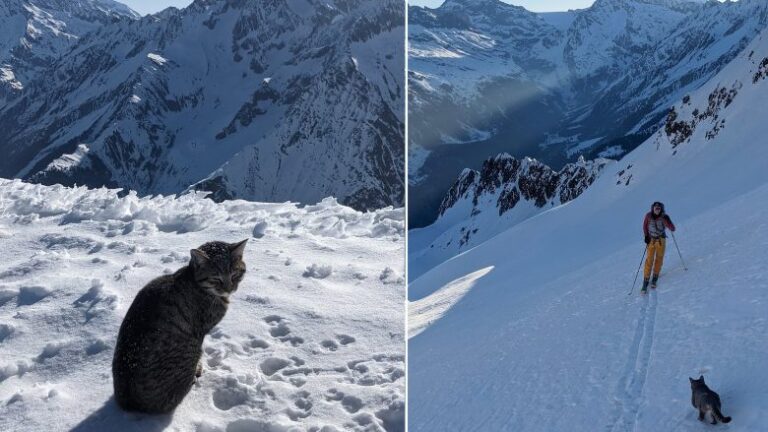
point(649, 219)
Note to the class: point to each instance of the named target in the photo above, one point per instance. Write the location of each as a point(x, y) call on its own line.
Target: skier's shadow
point(111, 418)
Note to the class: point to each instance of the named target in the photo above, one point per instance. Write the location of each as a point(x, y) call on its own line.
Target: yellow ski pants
point(655, 258)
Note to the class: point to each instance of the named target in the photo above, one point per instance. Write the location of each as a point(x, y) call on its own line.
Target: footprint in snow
point(351, 404)
point(6, 331)
point(302, 406)
point(29, 295)
point(96, 301)
point(272, 365)
point(64, 242)
point(279, 330)
point(231, 394)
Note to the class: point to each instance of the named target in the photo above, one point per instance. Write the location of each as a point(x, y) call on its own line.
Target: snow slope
point(533, 330)
point(313, 339)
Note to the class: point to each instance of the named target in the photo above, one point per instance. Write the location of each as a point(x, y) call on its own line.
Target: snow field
point(313, 339)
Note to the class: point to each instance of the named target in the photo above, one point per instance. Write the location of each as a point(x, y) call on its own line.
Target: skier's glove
point(647, 239)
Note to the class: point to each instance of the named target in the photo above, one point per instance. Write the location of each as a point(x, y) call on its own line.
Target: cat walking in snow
point(706, 401)
point(159, 346)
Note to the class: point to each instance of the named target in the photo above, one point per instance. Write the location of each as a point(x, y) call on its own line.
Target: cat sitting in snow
point(159, 346)
point(706, 400)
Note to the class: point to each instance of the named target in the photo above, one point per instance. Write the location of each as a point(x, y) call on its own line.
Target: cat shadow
point(111, 418)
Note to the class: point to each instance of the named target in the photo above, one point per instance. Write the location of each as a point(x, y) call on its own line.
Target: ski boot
point(654, 280)
point(644, 289)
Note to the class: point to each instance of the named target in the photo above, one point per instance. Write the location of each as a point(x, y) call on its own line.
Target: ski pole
point(678, 251)
point(638, 270)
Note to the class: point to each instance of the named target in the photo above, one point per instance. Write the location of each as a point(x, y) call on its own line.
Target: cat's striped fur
point(159, 346)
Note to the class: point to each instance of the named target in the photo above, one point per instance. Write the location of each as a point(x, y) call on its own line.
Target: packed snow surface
point(313, 339)
point(536, 329)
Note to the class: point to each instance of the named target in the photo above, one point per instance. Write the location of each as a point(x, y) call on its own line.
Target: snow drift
point(313, 339)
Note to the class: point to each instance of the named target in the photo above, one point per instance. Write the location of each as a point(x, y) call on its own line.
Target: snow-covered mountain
point(533, 329)
point(34, 33)
point(593, 82)
point(262, 100)
point(313, 338)
point(481, 204)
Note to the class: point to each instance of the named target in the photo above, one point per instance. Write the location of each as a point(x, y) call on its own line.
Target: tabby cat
point(159, 346)
point(706, 401)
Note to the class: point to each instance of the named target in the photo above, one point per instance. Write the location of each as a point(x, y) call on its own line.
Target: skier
point(654, 227)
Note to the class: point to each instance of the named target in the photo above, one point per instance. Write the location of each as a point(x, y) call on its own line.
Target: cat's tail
point(720, 417)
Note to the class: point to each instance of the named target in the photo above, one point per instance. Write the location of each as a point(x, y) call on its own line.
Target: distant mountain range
point(487, 77)
point(267, 100)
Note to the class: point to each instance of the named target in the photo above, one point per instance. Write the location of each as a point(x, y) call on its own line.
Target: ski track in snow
point(630, 388)
point(291, 354)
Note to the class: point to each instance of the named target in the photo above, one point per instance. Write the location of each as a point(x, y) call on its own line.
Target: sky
point(531, 5)
point(145, 7)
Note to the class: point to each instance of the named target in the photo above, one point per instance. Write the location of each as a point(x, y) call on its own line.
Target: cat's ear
point(236, 249)
point(701, 378)
point(198, 257)
point(690, 379)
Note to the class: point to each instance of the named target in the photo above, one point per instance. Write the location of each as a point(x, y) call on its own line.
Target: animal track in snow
point(255, 342)
point(273, 364)
point(96, 347)
point(6, 331)
point(231, 395)
point(279, 330)
point(96, 301)
point(303, 406)
point(52, 350)
point(329, 345)
point(7, 295)
point(33, 265)
point(345, 339)
point(59, 241)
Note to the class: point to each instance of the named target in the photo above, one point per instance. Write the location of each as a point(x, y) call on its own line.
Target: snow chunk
point(134, 99)
point(317, 272)
point(260, 229)
point(158, 59)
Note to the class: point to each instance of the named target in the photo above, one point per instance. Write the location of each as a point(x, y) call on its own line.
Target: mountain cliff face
point(262, 100)
point(504, 192)
point(34, 33)
point(593, 82)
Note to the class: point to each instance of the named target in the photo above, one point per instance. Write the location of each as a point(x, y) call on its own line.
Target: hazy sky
point(531, 5)
point(151, 6)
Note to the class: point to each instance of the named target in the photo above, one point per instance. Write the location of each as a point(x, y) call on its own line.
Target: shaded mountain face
point(261, 100)
point(593, 82)
point(34, 33)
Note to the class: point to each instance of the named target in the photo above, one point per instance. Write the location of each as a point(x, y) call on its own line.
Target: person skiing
point(655, 225)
